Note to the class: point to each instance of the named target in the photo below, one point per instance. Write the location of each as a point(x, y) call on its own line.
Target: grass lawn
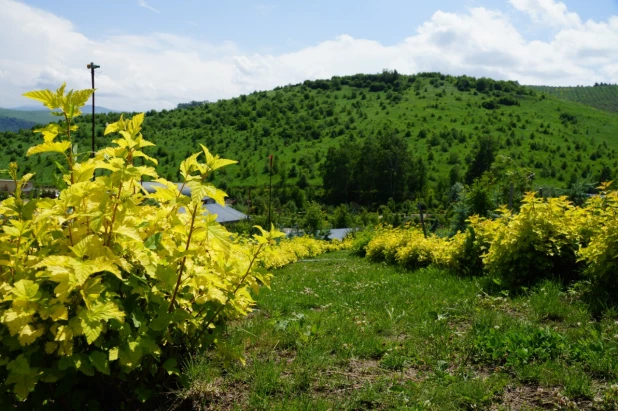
point(339, 332)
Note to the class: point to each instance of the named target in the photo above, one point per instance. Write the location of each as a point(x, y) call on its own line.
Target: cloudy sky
point(158, 53)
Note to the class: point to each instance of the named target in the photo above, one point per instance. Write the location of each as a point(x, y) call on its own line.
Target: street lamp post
point(92, 66)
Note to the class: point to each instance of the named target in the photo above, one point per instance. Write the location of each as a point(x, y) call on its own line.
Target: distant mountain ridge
point(26, 117)
point(86, 109)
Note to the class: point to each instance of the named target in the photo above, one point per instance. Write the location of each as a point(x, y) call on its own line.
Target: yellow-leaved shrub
point(599, 233)
point(408, 247)
point(291, 250)
point(102, 283)
point(542, 240)
point(546, 238)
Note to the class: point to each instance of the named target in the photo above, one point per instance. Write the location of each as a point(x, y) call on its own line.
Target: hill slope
point(28, 117)
point(603, 97)
point(14, 124)
point(439, 116)
point(31, 116)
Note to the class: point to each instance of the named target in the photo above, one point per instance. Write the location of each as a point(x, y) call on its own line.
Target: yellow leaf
point(50, 147)
point(62, 332)
point(15, 320)
point(80, 97)
point(91, 320)
point(147, 157)
point(50, 347)
point(55, 312)
point(50, 132)
point(91, 290)
point(29, 334)
point(26, 290)
point(128, 232)
point(47, 97)
point(214, 162)
point(115, 127)
point(186, 167)
point(136, 122)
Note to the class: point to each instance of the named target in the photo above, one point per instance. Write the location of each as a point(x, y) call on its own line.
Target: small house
point(9, 186)
point(225, 214)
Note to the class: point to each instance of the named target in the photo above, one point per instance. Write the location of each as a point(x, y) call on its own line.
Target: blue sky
point(285, 25)
point(158, 53)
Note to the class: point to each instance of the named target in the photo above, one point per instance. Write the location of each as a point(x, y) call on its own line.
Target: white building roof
point(225, 214)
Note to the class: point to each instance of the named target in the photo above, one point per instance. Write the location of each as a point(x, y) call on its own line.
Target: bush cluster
point(548, 238)
point(106, 289)
point(291, 250)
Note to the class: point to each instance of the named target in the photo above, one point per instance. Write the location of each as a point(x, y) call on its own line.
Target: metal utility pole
point(270, 189)
point(92, 66)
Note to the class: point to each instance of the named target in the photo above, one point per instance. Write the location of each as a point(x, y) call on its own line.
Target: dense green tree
point(337, 172)
point(313, 220)
point(393, 165)
point(478, 198)
point(483, 157)
point(382, 168)
point(342, 217)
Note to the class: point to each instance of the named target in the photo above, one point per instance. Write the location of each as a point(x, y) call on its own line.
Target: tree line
point(373, 171)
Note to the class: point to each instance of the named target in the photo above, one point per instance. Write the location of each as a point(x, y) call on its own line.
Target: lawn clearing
point(339, 332)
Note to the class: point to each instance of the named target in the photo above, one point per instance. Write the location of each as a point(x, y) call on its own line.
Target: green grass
point(340, 332)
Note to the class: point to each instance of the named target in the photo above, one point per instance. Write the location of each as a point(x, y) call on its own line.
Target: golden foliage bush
point(598, 228)
point(291, 250)
point(546, 238)
point(110, 282)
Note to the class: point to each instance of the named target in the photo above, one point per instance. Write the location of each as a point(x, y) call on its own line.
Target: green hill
point(439, 116)
point(31, 116)
point(14, 124)
point(28, 117)
point(601, 96)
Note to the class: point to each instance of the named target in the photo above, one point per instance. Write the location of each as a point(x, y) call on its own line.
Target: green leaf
point(136, 322)
point(24, 383)
point(91, 320)
point(130, 354)
point(161, 322)
point(171, 366)
point(153, 241)
point(143, 394)
point(100, 361)
point(91, 329)
point(19, 365)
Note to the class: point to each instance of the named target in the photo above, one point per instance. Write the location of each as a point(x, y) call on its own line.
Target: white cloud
point(163, 69)
point(548, 12)
point(142, 3)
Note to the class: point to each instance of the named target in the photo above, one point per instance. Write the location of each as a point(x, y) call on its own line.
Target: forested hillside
point(30, 117)
point(14, 124)
point(439, 118)
point(601, 96)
